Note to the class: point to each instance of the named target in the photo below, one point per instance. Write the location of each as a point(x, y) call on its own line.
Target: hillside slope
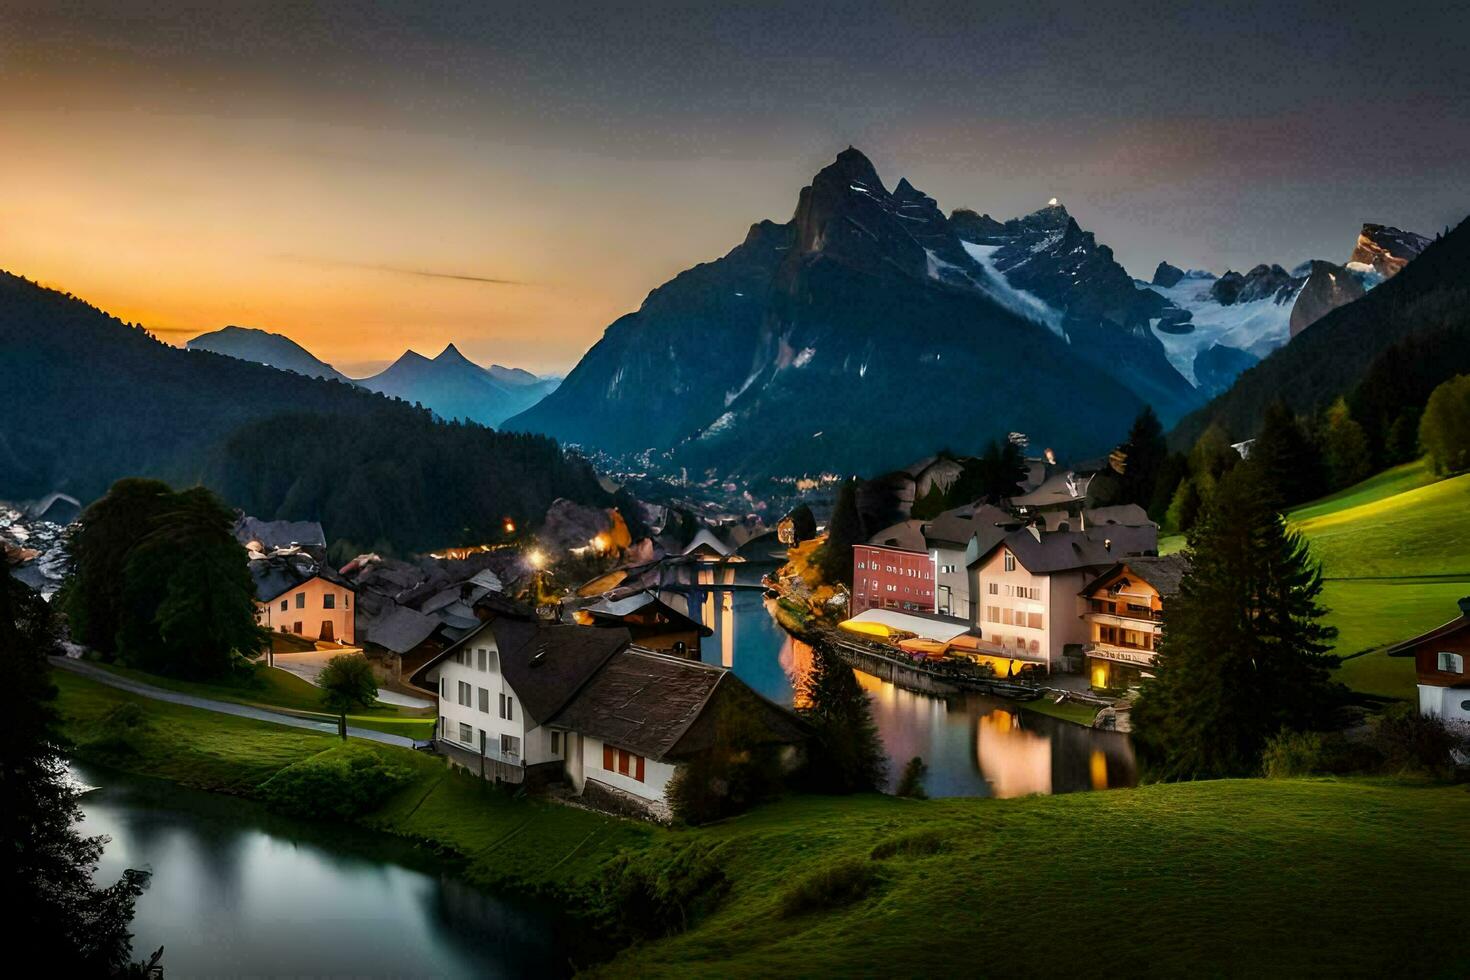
point(1328, 358)
point(263, 347)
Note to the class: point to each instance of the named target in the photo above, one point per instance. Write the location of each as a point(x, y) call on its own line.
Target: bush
point(1291, 754)
point(117, 731)
point(833, 887)
point(1411, 742)
point(911, 783)
point(660, 891)
point(913, 845)
point(343, 782)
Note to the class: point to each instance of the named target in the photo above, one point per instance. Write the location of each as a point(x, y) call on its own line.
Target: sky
point(371, 177)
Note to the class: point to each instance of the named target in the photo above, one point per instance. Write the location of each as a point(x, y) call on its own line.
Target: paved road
point(96, 673)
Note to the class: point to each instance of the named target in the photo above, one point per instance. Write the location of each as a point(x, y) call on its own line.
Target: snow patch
point(1018, 301)
point(1258, 327)
point(721, 424)
point(805, 357)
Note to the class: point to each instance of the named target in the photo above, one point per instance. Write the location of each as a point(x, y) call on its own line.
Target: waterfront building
point(1124, 615)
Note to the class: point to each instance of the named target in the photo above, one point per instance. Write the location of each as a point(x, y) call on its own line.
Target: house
point(1124, 614)
point(893, 570)
point(1441, 657)
point(1028, 587)
point(651, 622)
point(293, 594)
point(534, 703)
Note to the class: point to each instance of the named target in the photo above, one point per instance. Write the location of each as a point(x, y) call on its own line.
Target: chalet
point(1124, 617)
point(651, 622)
point(1028, 600)
point(293, 594)
point(1441, 658)
point(535, 703)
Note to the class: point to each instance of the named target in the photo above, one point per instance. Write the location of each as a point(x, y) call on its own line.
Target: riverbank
point(1161, 879)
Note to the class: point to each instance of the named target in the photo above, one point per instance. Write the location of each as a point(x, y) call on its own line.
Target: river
point(974, 745)
point(237, 891)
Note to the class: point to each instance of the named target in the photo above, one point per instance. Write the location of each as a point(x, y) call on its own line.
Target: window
point(466, 734)
point(510, 745)
point(992, 614)
point(1010, 561)
point(622, 762)
point(444, 687)
point(296, 627)
point(1451, 663)
point(484, 700)
point(329, 601)
point(285, 604)
point(347, 600)
point(507, 707)
point(995, 588)
point(301, 600)
point(464, 694)
point(1033, 620)
point(443, 727)
point(480, 658)
point(556, 743)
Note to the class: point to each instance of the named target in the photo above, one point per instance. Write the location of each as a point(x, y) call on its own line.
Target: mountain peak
point(855, 168)
point(451, 355)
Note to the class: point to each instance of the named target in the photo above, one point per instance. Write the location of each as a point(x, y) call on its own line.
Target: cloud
point(410, 271)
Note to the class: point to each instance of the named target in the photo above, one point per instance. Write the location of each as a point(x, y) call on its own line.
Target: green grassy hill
point(1395, 555)
point(1225, 878)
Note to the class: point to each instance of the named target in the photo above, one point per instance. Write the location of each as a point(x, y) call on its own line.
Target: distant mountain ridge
point(450, 385)
point(869, 320)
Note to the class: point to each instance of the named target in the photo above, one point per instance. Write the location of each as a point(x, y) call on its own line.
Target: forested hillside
point(86, 398)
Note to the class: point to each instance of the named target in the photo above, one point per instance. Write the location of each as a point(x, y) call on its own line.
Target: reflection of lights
point(1014, 761)
point(1098, 764)
point(536, 558)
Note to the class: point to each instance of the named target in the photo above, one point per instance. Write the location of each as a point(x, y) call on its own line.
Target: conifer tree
point(1244, 650)
point(1145, 453)
point(843, 531)
point(1287, 460)
point(846, 755)
point(1345, 446)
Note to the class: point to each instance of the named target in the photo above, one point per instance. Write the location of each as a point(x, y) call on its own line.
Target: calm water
point(974, 745)
point(239, 892)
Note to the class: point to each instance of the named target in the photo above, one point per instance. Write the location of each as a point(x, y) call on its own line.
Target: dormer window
point(1451, 663)
point(1010, 562)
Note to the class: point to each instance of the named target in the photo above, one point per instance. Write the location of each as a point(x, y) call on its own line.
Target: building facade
point(894, 570)
point(316, 609)
point(1442, 667)
point(1125, 613)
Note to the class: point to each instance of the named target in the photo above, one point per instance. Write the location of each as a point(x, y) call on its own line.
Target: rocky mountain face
point(454, 387)
point(1380, 253)
point(829, 341)
point(264, 347)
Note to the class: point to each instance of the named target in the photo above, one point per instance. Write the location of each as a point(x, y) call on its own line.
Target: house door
point(327, 630)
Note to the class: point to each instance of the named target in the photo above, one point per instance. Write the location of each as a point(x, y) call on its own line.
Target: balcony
point(1118, 653)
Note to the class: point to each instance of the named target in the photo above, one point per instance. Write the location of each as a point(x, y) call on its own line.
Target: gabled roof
point(903, 536)
point(545, 665)
point(1062, 488)
point(1046, 552)
point(1462, 622)
point(276, 575)
point(637, 608)
point(957, 526)
point(401, 629)
point(1164, 573)
point(1128, 515)
point(707, 539)
point(659, 706)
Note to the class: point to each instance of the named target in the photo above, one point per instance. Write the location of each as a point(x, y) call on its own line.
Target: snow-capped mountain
point(264, 347)
point(830, 342)
point(1235, 320)
point(454, 387)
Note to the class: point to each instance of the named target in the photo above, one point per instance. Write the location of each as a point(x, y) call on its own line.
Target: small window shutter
point(639, 776)
point(607, 758)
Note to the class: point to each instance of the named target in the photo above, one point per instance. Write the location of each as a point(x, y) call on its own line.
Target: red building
point(893, 571)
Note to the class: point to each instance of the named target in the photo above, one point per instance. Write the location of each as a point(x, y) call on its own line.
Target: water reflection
point(236, 891)
point(974, 745)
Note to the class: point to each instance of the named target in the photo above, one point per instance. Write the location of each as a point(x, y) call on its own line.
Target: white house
point(525, 701)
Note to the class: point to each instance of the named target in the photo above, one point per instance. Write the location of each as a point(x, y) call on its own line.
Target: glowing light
point(536, 558)
point(1052, 203)
point(510, 526)
point(1098, 764)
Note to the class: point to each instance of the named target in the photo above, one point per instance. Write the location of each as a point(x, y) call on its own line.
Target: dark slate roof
point(1163, 573)
point(611, 610)
point(1044, 552)
point(1128, 515)
point(401, 629)
point(903, 536)
point(278, 574)
point(1062, 488)
point(280, 534)
point(957, 526)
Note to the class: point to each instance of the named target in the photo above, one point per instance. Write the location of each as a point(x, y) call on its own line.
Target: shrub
point(660, 891)
point(117, 731)
point(1289, 754)
point(343, 782)
point(913, 845)
point(1411, 742)
point(911, 783)
point(833, 887)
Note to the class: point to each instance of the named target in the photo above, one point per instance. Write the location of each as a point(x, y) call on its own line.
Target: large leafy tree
point(1444, 430)
point(347, 682)
point(1244, 650)
point(846, 755)
point(843, 531)
point(46, 877)
point(159, 580)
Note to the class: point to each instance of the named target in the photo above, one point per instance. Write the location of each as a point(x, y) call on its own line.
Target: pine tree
point(1145, 453)
point(846, 755)
point(1287, 460)
point(843, 531)
point(1243, 652)
point(46, 879)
